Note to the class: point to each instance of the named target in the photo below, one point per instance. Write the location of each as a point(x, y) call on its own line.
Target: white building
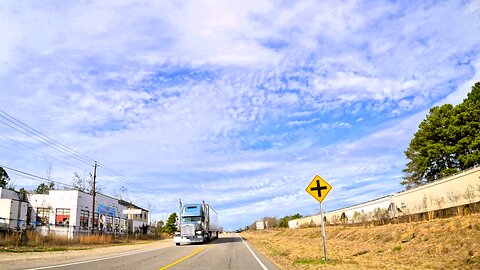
point(260, 225)
point(137, 217)
point(13, 210)
point(69, 212)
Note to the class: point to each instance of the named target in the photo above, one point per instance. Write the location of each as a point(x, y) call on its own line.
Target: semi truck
point(197, 223)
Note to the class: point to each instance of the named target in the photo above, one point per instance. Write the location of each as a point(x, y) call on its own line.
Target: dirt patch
point(451, 243)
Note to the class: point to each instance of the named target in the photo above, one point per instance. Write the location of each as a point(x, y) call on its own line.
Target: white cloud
point(245, 101)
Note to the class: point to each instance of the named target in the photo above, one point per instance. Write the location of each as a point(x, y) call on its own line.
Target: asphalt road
point(227, 252)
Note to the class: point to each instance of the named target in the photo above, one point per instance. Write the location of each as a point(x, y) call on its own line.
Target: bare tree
point(431, 213)
point(381, 214)
point(79, 182)
point(424, 203)
point(470, 197)
point(439, 201)
point(454, 197)
point(121, 193)
point(469, 194)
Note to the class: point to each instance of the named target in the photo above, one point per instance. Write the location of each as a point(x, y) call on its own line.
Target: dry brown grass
point(37, 242)
point(452, 243)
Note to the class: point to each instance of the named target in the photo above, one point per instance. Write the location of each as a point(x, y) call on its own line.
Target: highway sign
point(318, 188)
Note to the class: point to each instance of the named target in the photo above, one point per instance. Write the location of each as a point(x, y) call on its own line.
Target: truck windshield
point(191, 219)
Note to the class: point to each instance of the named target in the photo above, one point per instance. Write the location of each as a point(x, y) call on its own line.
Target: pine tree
point(170, 226)
point(4, 178)
point(447, 141)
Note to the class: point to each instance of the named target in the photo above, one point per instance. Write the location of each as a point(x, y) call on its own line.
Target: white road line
point(93, 260)
point(255, 256)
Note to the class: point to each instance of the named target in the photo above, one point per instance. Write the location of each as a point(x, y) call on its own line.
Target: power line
point(38, 136)
point(34, 177)
point(40, 153)
point(41, 141)
point(123, 179)
point(42, 138)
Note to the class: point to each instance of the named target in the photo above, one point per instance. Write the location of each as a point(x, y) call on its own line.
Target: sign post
point(315, 188)
point(323, 235)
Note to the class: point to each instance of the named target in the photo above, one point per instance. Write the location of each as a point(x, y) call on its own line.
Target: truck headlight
point(198, 232)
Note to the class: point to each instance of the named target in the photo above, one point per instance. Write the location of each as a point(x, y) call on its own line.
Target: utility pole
point(93, 193)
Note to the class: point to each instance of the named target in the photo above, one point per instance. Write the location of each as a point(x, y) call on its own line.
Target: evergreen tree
point(4, 178)
point(44, 188)
point(467, 129)
point(447, 141)
point(170, 226)
point(160, 227)
point(284, 221)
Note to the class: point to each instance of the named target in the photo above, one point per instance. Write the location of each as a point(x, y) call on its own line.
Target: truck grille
point(187, 230)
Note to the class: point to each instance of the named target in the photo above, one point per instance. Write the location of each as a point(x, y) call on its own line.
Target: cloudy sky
point(238, 103)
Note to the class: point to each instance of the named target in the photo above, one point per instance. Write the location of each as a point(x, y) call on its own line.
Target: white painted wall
point(456, 190)
point(449, 192)
point(77, 201)
point(13, 211)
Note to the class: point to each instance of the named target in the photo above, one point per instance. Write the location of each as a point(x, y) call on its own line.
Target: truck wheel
point(177, 244)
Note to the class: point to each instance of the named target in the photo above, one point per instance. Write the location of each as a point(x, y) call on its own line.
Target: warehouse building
point(13, 210)
point(458, 190)
point(69, 213)
point(137, 217)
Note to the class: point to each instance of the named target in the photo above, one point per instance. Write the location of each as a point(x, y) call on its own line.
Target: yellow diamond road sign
point(318, 188)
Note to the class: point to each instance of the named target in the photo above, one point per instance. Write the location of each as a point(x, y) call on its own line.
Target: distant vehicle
point(197, 223)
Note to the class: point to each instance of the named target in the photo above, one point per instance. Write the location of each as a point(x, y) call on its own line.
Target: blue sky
point(238, 103)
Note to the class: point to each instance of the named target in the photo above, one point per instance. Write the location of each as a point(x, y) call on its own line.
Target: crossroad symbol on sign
point(318, 188)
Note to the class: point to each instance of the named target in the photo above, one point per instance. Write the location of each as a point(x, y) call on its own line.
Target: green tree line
point(447, 141)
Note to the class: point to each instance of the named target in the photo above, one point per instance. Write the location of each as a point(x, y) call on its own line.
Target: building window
point(95, 220)
point(109, 221)
point(62, 218)
point(84, 219)
point(29, 216)
point(43, 216)
point(117, 224)
point(123, 224)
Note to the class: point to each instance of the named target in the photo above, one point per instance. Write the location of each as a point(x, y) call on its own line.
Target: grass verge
point(451, 243)
point(35, 242)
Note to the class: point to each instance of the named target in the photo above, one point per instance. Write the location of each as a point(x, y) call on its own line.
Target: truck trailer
point(197, 223)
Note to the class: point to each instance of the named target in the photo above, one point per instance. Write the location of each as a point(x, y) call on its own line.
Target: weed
point(397, 248)
point(309, 261)
point(363, 252)
point(386, 238)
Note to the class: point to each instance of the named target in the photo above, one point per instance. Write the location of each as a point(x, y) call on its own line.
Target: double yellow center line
point(193, 253)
